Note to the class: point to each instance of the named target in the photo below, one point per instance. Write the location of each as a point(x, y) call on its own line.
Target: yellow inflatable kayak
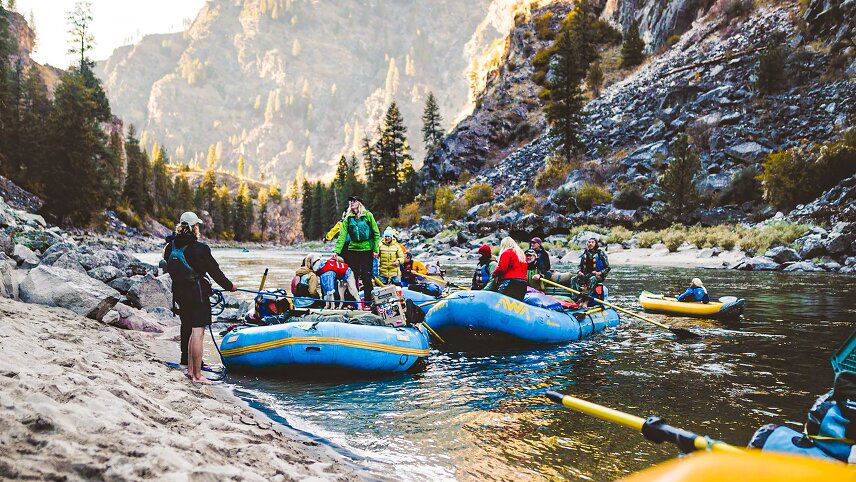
point(731, 308)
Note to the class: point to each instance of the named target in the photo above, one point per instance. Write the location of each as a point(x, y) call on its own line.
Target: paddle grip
point(658, 431)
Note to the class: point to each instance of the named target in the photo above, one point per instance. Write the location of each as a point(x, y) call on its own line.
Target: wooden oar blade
point(683, 333)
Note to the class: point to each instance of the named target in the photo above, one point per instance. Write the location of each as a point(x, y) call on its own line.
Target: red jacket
point(510, 266)
point(336, 266)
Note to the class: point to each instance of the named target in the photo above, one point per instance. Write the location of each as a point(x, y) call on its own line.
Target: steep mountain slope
point(293, 83)
point(26, 39)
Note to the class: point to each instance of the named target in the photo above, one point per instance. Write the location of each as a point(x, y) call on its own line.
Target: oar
point(654, 429)
point(680, 332)
point(264, 278)
point(433, 332)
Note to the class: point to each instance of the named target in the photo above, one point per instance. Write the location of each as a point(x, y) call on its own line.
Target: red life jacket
point(336, 266)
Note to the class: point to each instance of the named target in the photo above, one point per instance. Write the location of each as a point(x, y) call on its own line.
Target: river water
point(480, 415)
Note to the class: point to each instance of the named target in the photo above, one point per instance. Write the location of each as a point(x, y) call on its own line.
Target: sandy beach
point(80, 400)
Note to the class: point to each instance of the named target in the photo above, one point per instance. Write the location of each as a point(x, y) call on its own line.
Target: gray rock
point(6, 244)
point(429, 227)
point(123, 284)
point(48, 285)
point(782, 254)
point(584, 236)
point(748, 152)
point(840, 244)
point(107, 257)
point(8, 287)
point(164, 315)
point(70, 260)
point(759, 263)
point(105, 274)
point(850, 261)
point(137, 320)
point(55, 251)
point(38, 240)
point(812, 247)
point(111, 318)
point(151, 292)
point(33, 220)
point(24, 256)
point(807, 266)
point(139, 268)
point(229, 315)
point(831, 266)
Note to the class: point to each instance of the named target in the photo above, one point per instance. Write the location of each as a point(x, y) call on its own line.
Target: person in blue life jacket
point(188, 262)
point(484, 270)
point(594, 266)
point(360, 231)
point(696, 293)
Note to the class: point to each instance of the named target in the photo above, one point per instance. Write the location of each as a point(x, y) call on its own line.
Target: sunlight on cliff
point(486, 58)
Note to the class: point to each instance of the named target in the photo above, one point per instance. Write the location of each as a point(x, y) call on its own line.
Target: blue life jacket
point(697, 295)
point(177, 266)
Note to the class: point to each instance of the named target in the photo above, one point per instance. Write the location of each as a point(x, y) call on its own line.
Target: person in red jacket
point(510, 273)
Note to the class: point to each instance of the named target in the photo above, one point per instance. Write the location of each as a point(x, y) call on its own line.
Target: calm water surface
point(484, 415)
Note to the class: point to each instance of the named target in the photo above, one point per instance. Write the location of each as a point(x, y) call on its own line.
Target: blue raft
point(478, 313)
point(420, 299)
point(330, 346)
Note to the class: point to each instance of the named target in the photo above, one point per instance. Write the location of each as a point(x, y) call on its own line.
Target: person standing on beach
point(360, 231)
point(188, 261)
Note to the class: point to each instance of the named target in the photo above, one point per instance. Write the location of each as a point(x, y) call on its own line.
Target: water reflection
point(484, 416)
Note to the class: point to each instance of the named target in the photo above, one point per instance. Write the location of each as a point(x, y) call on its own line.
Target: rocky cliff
point(294, 83)
point(26, 39)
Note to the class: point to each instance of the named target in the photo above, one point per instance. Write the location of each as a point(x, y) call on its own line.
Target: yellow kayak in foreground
point(714, 309)
point(748, 466)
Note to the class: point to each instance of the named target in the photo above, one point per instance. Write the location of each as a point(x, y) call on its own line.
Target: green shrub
point(677, 184)
point(698, 237)
point(574, 231)
point(590, 196)
point(673, 240)
point(594, 78)
point(672, 40)
point(524, 202)
point(538, 77)
point(447, 207)
point(770, 71)
point(744, 186)
point(542, 58)
point(618, 234)
point(754, 243)
point(630, 197)
point(542, 26)
point(408, 215)
point(554, 173)
point(128, 216)
point(648, 238)
point(478, 194)
point(784, 178)
point(631, 49)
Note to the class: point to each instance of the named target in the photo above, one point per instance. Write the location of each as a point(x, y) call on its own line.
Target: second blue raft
point(291, 347)
point(479, 313)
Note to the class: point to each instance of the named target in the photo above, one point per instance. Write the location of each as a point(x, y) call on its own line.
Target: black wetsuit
point(194, 309)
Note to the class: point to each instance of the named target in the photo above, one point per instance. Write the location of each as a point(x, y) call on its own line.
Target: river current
point(483, 415)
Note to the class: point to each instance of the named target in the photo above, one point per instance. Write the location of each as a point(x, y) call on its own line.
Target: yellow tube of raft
point(746, 465)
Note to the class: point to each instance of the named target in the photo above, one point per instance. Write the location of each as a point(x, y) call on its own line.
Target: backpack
point(358, 229)
point(178, 268)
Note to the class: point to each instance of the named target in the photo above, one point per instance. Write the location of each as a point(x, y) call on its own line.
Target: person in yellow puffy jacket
point(390, 259)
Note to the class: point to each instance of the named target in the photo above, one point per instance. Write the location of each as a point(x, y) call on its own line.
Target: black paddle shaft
point(658, 431)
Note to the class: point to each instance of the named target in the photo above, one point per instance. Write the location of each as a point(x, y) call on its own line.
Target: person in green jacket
point(360, 230)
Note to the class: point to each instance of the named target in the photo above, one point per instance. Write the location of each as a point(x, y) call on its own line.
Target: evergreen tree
point(35, 108)
point(631, 49)
point(432, 130)
point(594, 79)
point(115, 174)
point(211, 160)
point(207, 190)
point(678, 182)
point(8, 119)
point(162, 183)
point(262, 199)
point(136, 181)
point(241, 166)
point(78, 151)
point(579, 25)
point(393, 152)
point(770, 70)
point(317, 227)
point(306, 210)
point(183, 195)
point(370, 163)
point(80, 29)
point(408, 182)
point(564, 108)
point(243, 211)
point(224, 202)
point(329, 208)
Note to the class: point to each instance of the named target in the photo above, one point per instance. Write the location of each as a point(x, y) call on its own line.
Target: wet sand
point(80, 400)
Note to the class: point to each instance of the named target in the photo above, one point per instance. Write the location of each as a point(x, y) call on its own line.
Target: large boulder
point(25, 256)
point(582, 237)
point(133, 319)
point(803, 266)
point(429, 227)
point(8, 288)
point(812, 247)
point(70, 260)
point(50, 255)
point(107, 257)
point(135, 268)
point(6, 244)
point(748, 152)
point(52, 286)
point(123, 284)
point(151, 292)
point(38, 240)
point(840, 243)
point(758, 263)
point(105, 274)
point(782, 254)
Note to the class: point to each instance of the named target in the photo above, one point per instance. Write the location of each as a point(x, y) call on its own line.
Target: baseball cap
point(189, 219)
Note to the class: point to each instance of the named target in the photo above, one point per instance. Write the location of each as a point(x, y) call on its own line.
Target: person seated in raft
point(335, 277)
point(594, 266)
point(305, 283)
point(390, 258)
point(435, 270)
point(411, 269)
point(696, 293)
point(533, 275)
point(542, 257)
point(482, 277)
point(510, 272)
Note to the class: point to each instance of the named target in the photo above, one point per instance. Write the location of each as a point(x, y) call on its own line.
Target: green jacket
point(530, 272)
point(365, 222)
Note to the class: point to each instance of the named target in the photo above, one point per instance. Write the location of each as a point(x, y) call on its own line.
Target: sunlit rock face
point(293, 84)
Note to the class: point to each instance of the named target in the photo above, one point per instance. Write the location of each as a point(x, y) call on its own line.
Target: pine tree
point(370, 163)
point(211, 160)
point(677, 184)
point(80, 29)
point(770, 71)
point(207, 190)
point(35, 108)
point(262, 199)
point(162, 183)
point(306, 210)
point(224, 211)
point(408, 182)
point(240, 171)
point(631, 49)
point(594, 79)
point(394, 151)
point(115, 174)
point(243, 210)
point(317, 227)
point(432, 130)
point(183, 195)
point(78, 151)
point(564, 108)
point(136, 191)
point(8, 46)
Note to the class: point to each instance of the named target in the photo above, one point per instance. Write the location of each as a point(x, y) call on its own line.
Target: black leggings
point(515, 288)
point(361, 263)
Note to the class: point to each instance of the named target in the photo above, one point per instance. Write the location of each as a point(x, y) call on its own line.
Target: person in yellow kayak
point(391, 257)
point(696, 293)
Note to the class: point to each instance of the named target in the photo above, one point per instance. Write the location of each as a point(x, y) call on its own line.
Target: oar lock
point(658, 431)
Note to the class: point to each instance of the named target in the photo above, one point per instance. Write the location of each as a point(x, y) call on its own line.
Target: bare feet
point(205, 381)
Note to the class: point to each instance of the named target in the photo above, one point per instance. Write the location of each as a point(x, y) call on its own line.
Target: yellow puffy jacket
point(390, 256)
